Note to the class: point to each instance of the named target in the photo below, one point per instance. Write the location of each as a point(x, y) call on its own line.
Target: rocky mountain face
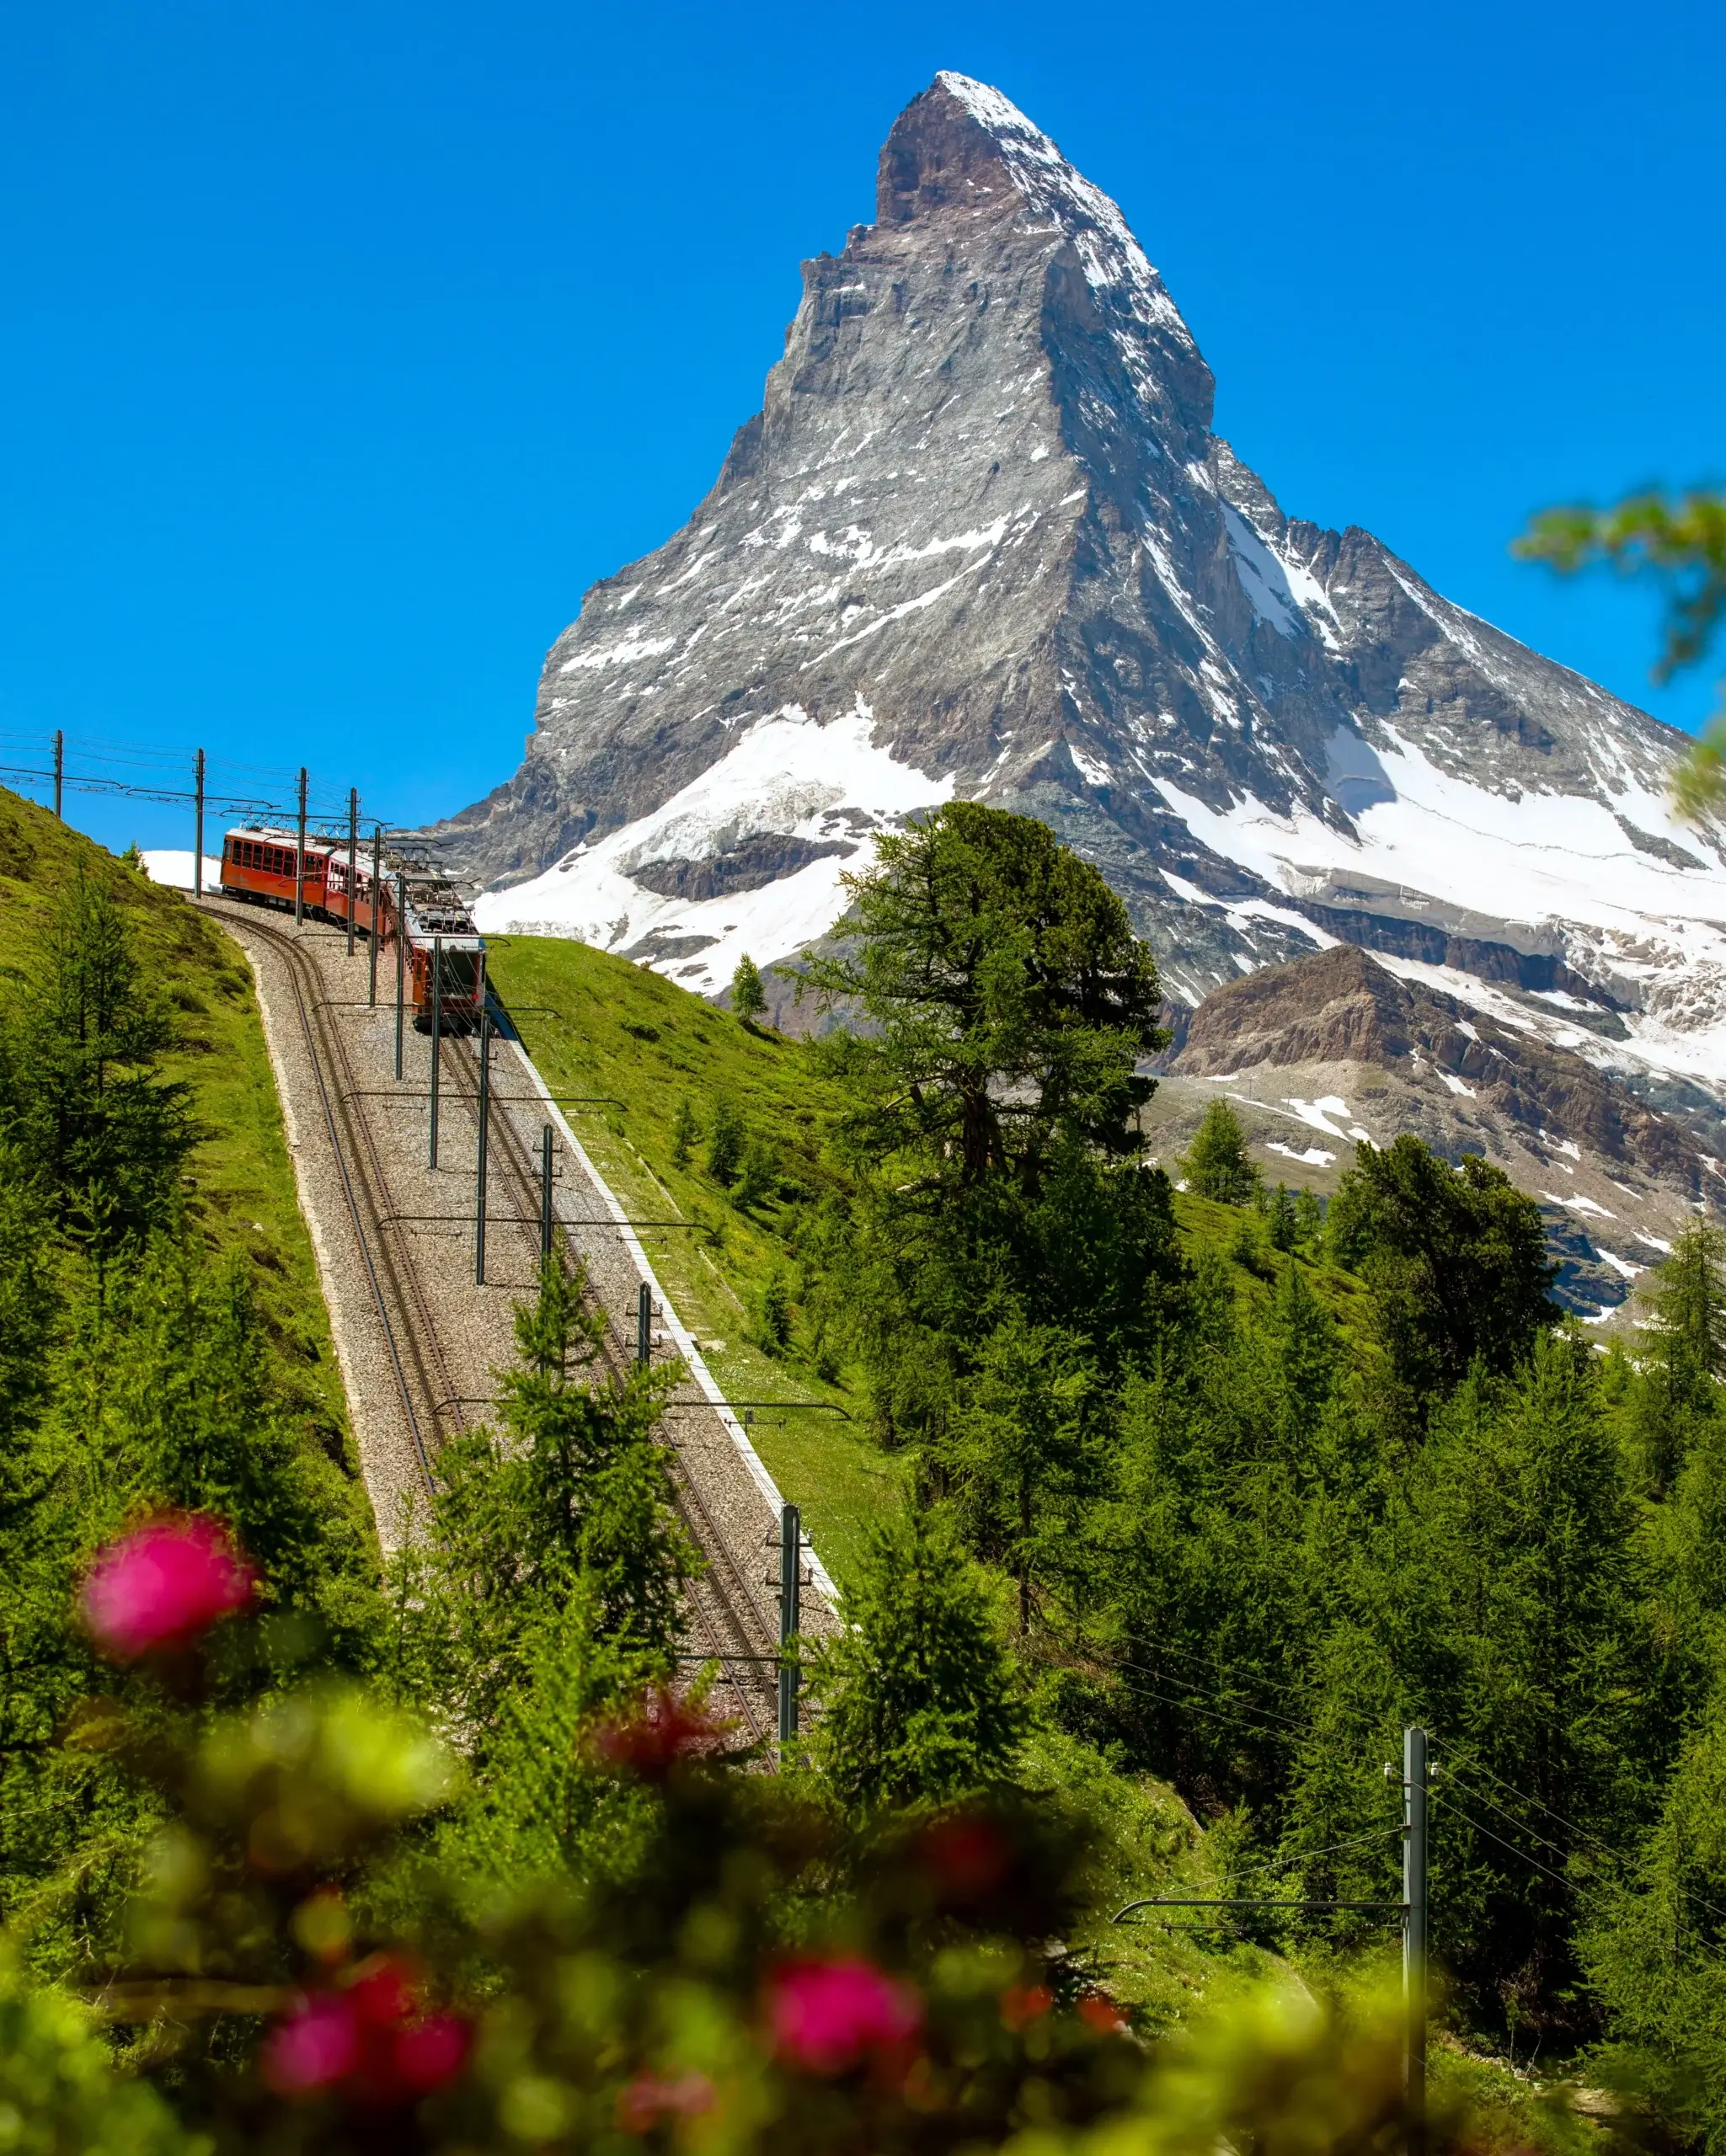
point(1337, 1047)
point(980, 541)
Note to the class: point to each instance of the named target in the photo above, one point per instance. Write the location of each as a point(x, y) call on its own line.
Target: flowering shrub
point(734, 1969)
point(825, 2016)
point(163, 1587)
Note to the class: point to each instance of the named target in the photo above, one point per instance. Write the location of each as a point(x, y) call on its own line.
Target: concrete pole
point(436, 1034)
point(401, 963)
point(59, 770)
point(545, 1193)
point(790, 1621)
point(300, 866)
point(1414, 1962)
point(484, 1132)
point(353, 857)
point(198, 826)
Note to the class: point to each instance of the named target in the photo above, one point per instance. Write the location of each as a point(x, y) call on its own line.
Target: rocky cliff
point(981, 540)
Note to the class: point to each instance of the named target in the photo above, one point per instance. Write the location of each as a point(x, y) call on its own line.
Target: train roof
point(278, 836)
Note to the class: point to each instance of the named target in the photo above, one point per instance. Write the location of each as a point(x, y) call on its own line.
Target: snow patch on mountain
point(785, 776)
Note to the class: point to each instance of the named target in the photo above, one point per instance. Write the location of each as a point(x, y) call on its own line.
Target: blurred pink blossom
point(367, 2042)
point(317, 2045)
point(827, 2015)
point(163, 1585)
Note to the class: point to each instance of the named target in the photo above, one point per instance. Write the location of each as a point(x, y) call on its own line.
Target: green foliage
point(918, 1699)
point(725, 1141)
point(82, 1105)
point(749, 999)
point(772, 1315)
point(757, 1175)
point(1216, 1164)
point(572, 1489)
point(1009, 997)
point(61, 2093)
point(1456, 1259)
point(685, 1132)
point(1682, 543)
point(1284, 1222)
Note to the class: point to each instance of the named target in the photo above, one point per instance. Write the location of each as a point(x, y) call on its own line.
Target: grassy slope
point(597, 1025)
point(242, 1194)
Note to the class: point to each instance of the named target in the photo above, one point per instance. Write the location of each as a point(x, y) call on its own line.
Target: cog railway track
point(729, 1624)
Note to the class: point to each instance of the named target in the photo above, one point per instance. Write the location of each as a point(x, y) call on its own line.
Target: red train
point(260, 865)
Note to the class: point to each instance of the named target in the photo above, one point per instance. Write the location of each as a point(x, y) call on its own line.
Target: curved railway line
point(730, 1625)
point(724, 1607)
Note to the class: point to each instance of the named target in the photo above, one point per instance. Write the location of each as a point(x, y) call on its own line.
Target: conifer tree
point(82, 1103)
point(725, 1141)
point(749, 999)
point(1216, 1164)
point(685, 1131)
point(1455, 1258)
point(918, 1699)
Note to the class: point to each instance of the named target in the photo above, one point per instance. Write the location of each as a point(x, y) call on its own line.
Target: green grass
point(596, 1025)
point(242, 1195)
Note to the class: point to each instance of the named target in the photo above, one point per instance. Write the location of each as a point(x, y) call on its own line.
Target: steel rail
point(720, 1599)
point(360, 1170)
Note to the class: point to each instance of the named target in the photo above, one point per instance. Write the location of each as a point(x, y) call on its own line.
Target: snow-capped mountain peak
point(981, 540)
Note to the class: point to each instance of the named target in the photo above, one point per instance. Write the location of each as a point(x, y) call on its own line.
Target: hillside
point(241, 1193)
point(982, 542)
point(598, 1025)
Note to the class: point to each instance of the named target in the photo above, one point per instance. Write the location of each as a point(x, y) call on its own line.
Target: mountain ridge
point(980, 541)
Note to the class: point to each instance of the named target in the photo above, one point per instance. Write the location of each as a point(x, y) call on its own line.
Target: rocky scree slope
point(1337, 1047)
point(980, 541)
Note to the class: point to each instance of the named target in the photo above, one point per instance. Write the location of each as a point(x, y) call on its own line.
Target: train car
point(261, 864)
point(438, 924)
point(336, 899)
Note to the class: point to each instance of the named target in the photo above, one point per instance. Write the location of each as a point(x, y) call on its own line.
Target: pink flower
point(648, 2099)
point(163, 1585)
point(661, 1734)
point(318, 2046)
point(369, 2042)
point(427, 2053)
point(828, 2016)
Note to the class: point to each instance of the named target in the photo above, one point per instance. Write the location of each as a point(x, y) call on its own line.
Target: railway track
point(423, 1384)
point(728, 1624)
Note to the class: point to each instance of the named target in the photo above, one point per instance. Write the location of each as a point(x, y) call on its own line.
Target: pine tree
point(1455, 1258)
point(1285, 1228)
point(80, 1100)
point(773, 1314)
point(685, 1131)
point(917, 1698)
point(757, 1174)
point(749, 999)
point(725, 1141)
point(1216, 1164)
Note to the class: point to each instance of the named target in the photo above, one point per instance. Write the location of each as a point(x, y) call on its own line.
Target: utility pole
point(1414, 1975)
point(790, 1622)
point(545, 1193)
point(376, 888)
point(59, 770)
point(353, 859)
point(644, 1325)
point(401, 962)
point(484, 1127)
point(437, 1033)
point(198, 827)
point(300, 867)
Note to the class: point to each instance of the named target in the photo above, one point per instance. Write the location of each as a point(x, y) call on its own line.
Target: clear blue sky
point(346, 342)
